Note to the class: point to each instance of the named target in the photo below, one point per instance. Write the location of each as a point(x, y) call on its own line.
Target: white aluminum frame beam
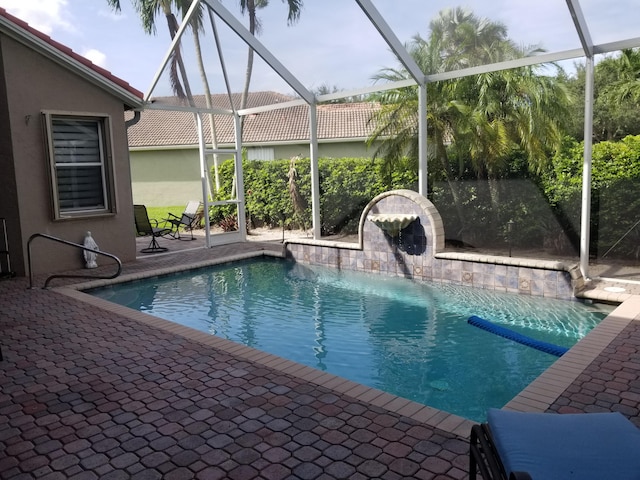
point(581, 26)
point(615, 46)
point(269, 108)
point(185, 108)
point(204, 181)
point(423, 164)
point(242, 217)
point(585, 217)
point(364, 91)
point(315, 173)
point(416, 73)
point(176, 40)
point(585, 214)
point(227, 17)
point(496, 67)
point(392, 40)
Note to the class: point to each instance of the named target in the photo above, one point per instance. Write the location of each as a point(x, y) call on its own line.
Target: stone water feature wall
point(417, 252)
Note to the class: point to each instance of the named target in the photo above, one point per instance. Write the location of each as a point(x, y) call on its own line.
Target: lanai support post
point(585, 225)
point(242, 219)
point(315, 174)
point(587, 46)
point(423, 184)
point(204, 178)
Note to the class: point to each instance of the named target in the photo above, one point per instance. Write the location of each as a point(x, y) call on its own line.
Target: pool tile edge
point(540, 394)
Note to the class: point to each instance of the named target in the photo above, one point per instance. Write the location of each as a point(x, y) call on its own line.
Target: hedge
point(346, 186)
point(542, 210)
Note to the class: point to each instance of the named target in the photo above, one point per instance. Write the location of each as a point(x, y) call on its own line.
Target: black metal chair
point(190, 219)
point(586, 446)
point(144, 227)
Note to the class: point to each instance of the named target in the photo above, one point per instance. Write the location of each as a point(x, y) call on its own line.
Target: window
point(80, 159)
point(260, 153)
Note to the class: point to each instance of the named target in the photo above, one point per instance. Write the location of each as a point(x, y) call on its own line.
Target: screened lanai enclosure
point(517, 119)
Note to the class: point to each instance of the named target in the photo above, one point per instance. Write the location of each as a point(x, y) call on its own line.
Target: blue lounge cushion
point(588, 446)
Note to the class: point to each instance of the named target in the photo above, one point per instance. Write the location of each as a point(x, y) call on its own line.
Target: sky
point(333, 44)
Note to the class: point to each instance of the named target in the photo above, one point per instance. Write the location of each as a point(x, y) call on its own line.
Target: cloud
point(113, 15)
point(96, 56)
point(43, 15)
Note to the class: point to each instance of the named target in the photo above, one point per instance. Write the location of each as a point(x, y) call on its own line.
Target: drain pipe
point(135, 119)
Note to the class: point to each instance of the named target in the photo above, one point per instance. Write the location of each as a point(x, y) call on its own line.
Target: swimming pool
point(407, 338)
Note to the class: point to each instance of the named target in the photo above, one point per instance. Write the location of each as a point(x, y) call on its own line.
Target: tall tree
point(476, 120)
point(629, 85)
point(148, 11)
point(250, 8)
point(616, 97)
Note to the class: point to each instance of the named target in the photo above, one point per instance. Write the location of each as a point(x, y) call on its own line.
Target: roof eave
point(130, 97)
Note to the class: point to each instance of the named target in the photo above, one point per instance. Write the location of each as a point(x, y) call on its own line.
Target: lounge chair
point(585, 446)
point(190, 219)
point(144, 227)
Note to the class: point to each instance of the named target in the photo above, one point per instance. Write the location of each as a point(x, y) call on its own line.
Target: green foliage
point(346, 186)
point(611, 163)
point(616, 97)
point(160, 213)
point(481, 119)
point(615, 182)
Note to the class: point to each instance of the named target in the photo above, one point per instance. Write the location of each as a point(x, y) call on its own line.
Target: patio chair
point(190, 219)
point(144, 227)
point(585, 446)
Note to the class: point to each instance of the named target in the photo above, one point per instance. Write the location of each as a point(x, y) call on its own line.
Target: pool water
point(405, 337)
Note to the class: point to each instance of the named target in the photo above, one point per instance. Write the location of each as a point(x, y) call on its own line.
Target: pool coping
point(538, 396)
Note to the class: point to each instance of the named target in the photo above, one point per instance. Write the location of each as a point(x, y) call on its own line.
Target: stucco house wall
point(171, 176)
point(165, 178)
point(32, 82)
point(165, 165)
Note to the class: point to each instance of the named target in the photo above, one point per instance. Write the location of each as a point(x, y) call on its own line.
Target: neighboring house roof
point(339, 121)
point(63, 55)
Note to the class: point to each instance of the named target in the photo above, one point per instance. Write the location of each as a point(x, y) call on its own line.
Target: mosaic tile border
point(416, 253)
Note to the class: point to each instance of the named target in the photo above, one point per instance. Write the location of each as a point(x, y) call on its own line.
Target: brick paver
point(87, 393)
point(611, 383)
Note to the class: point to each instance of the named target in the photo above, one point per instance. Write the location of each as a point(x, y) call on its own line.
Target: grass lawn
point(160, 213)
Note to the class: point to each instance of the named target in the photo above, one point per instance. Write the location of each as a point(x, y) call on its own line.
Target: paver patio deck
point(90, 392)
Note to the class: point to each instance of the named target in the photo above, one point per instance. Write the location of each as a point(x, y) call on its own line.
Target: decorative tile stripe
point(416, 253)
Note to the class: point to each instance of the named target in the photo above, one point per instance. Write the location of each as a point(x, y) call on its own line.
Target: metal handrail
point(61, 275)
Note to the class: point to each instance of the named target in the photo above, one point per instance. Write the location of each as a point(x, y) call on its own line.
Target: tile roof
point(35, 38)
point(165, 128)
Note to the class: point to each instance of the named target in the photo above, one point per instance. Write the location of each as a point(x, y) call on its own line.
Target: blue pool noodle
point(556, 350)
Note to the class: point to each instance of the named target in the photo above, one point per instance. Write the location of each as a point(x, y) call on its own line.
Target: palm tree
point(630, 72)
point(148, 10)
point(250, 7)
point(478, 120)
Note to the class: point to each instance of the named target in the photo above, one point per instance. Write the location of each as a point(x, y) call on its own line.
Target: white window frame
point(99, 129)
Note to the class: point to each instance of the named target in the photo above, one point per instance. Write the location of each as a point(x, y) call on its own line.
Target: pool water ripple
point(404, 337)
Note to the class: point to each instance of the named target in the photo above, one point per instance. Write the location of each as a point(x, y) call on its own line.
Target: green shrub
point(346, 186)
point(544, 208)
point(615, 180)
